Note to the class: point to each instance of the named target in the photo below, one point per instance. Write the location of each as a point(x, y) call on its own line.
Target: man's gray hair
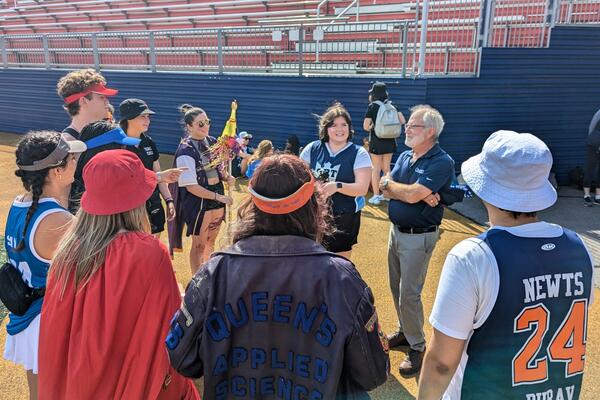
point(431, 117)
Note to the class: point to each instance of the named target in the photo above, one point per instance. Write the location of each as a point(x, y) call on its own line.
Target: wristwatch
point(338, 185)
point(385, 183)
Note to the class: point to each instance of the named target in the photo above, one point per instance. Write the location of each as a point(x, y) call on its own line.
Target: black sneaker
point(587, 201)
point(397, 339)
point(411, 365)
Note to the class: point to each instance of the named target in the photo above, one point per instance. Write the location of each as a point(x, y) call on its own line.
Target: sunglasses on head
point(202, 124)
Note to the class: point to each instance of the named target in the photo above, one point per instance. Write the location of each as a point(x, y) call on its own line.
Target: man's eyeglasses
point(202, 124)
point(247, 138)
point(411, 126)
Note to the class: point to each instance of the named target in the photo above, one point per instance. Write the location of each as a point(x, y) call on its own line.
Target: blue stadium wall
point(551, 92)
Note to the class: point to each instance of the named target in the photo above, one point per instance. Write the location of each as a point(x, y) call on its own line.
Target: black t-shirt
point(147, 151)
point(372, 111)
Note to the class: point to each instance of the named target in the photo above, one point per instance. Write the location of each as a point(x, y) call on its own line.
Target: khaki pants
point(408, 259)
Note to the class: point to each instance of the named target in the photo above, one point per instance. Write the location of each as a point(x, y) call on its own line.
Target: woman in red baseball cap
point(110, 286)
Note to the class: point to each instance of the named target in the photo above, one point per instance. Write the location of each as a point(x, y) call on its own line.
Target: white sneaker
point(383, 198)
point(375, 200)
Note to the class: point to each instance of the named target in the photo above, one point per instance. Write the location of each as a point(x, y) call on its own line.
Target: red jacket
point(106, 340)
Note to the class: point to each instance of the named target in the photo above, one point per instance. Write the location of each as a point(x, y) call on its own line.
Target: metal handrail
point(344, 11)
point(195, 6)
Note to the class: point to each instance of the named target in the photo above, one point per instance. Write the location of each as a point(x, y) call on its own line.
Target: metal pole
point(422, 50)
point(488, 23)
point(3, 52)
point(404, 49)
point(300, 50)
point(95, 52)
point(220, 50)
point(152, 51)
point(447, 61)
point(46, 51)
point(547, 13)
point(414, 48)
point(357, 10)
point(569, 12)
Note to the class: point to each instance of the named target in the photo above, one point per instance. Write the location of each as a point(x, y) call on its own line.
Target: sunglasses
point(202, 124)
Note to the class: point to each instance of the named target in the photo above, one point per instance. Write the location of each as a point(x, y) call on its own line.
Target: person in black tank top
point(381, 150)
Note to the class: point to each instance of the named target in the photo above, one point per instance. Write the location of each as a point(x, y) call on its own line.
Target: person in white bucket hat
point(511, 309)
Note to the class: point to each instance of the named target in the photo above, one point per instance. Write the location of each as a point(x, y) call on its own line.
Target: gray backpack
point(387, 124)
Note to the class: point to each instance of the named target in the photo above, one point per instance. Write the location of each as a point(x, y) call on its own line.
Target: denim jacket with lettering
point(279, 317)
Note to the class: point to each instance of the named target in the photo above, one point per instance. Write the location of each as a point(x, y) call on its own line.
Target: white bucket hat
point(511, 172)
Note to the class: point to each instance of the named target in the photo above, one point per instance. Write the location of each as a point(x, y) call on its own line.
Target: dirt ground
point(370, 258)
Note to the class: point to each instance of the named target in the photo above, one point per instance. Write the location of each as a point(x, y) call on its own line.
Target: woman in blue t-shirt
point(36, 222)
point(264, 149)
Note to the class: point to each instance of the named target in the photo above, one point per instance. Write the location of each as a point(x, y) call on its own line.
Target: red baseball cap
point(97, 88)
point(116, 181)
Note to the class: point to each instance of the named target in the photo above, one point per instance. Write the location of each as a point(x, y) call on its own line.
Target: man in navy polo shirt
point(414, 210)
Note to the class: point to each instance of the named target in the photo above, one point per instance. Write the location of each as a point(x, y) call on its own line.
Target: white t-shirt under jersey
point(468, 289)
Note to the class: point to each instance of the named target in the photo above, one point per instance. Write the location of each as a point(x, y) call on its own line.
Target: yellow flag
point(231, 125)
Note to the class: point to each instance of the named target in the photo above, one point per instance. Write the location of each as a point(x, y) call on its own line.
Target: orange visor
point(284, 205)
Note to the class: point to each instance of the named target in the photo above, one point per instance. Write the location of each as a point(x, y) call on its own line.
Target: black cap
point(378, 90)
point(132, 108)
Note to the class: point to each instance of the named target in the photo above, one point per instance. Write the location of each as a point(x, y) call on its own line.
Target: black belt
point(432, 228)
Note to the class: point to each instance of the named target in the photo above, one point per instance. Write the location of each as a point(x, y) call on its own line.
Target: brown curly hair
point(77, 82)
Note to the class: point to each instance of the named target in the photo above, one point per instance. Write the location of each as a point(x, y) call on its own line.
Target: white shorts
point(22, 348)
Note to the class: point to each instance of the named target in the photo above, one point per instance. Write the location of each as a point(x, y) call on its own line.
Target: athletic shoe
point(375, 200)
point(597, 200)
point(384, 198)
point(587, 201)
point(411, 365)
point(397, 339)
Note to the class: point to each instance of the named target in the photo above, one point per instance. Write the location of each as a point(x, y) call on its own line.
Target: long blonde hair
point(83, 249)
point(262, 150)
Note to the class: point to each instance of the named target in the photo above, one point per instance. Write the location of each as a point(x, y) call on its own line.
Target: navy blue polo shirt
point(434, 170)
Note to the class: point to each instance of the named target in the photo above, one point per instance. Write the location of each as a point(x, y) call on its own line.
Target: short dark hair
point(517, 214)
point(279, 176)
point(88, 132)
point(326, 120)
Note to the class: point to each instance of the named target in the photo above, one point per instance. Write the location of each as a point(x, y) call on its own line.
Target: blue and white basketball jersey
point(532, 345)
point(33, 267)
point(339, 168)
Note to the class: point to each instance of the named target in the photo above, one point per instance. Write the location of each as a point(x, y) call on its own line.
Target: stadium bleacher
point(382, 41)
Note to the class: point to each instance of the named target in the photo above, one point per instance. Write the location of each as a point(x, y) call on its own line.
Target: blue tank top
point(32, 266)
point(339, 168)
point(534, 338)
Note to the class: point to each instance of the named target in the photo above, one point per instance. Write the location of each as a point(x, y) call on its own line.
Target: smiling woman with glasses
point(199, 195)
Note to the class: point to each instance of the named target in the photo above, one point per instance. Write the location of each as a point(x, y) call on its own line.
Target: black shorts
point(347, 227)
point(156, 213)
point(381, 146)
point(214, 204)
point(192, 212)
